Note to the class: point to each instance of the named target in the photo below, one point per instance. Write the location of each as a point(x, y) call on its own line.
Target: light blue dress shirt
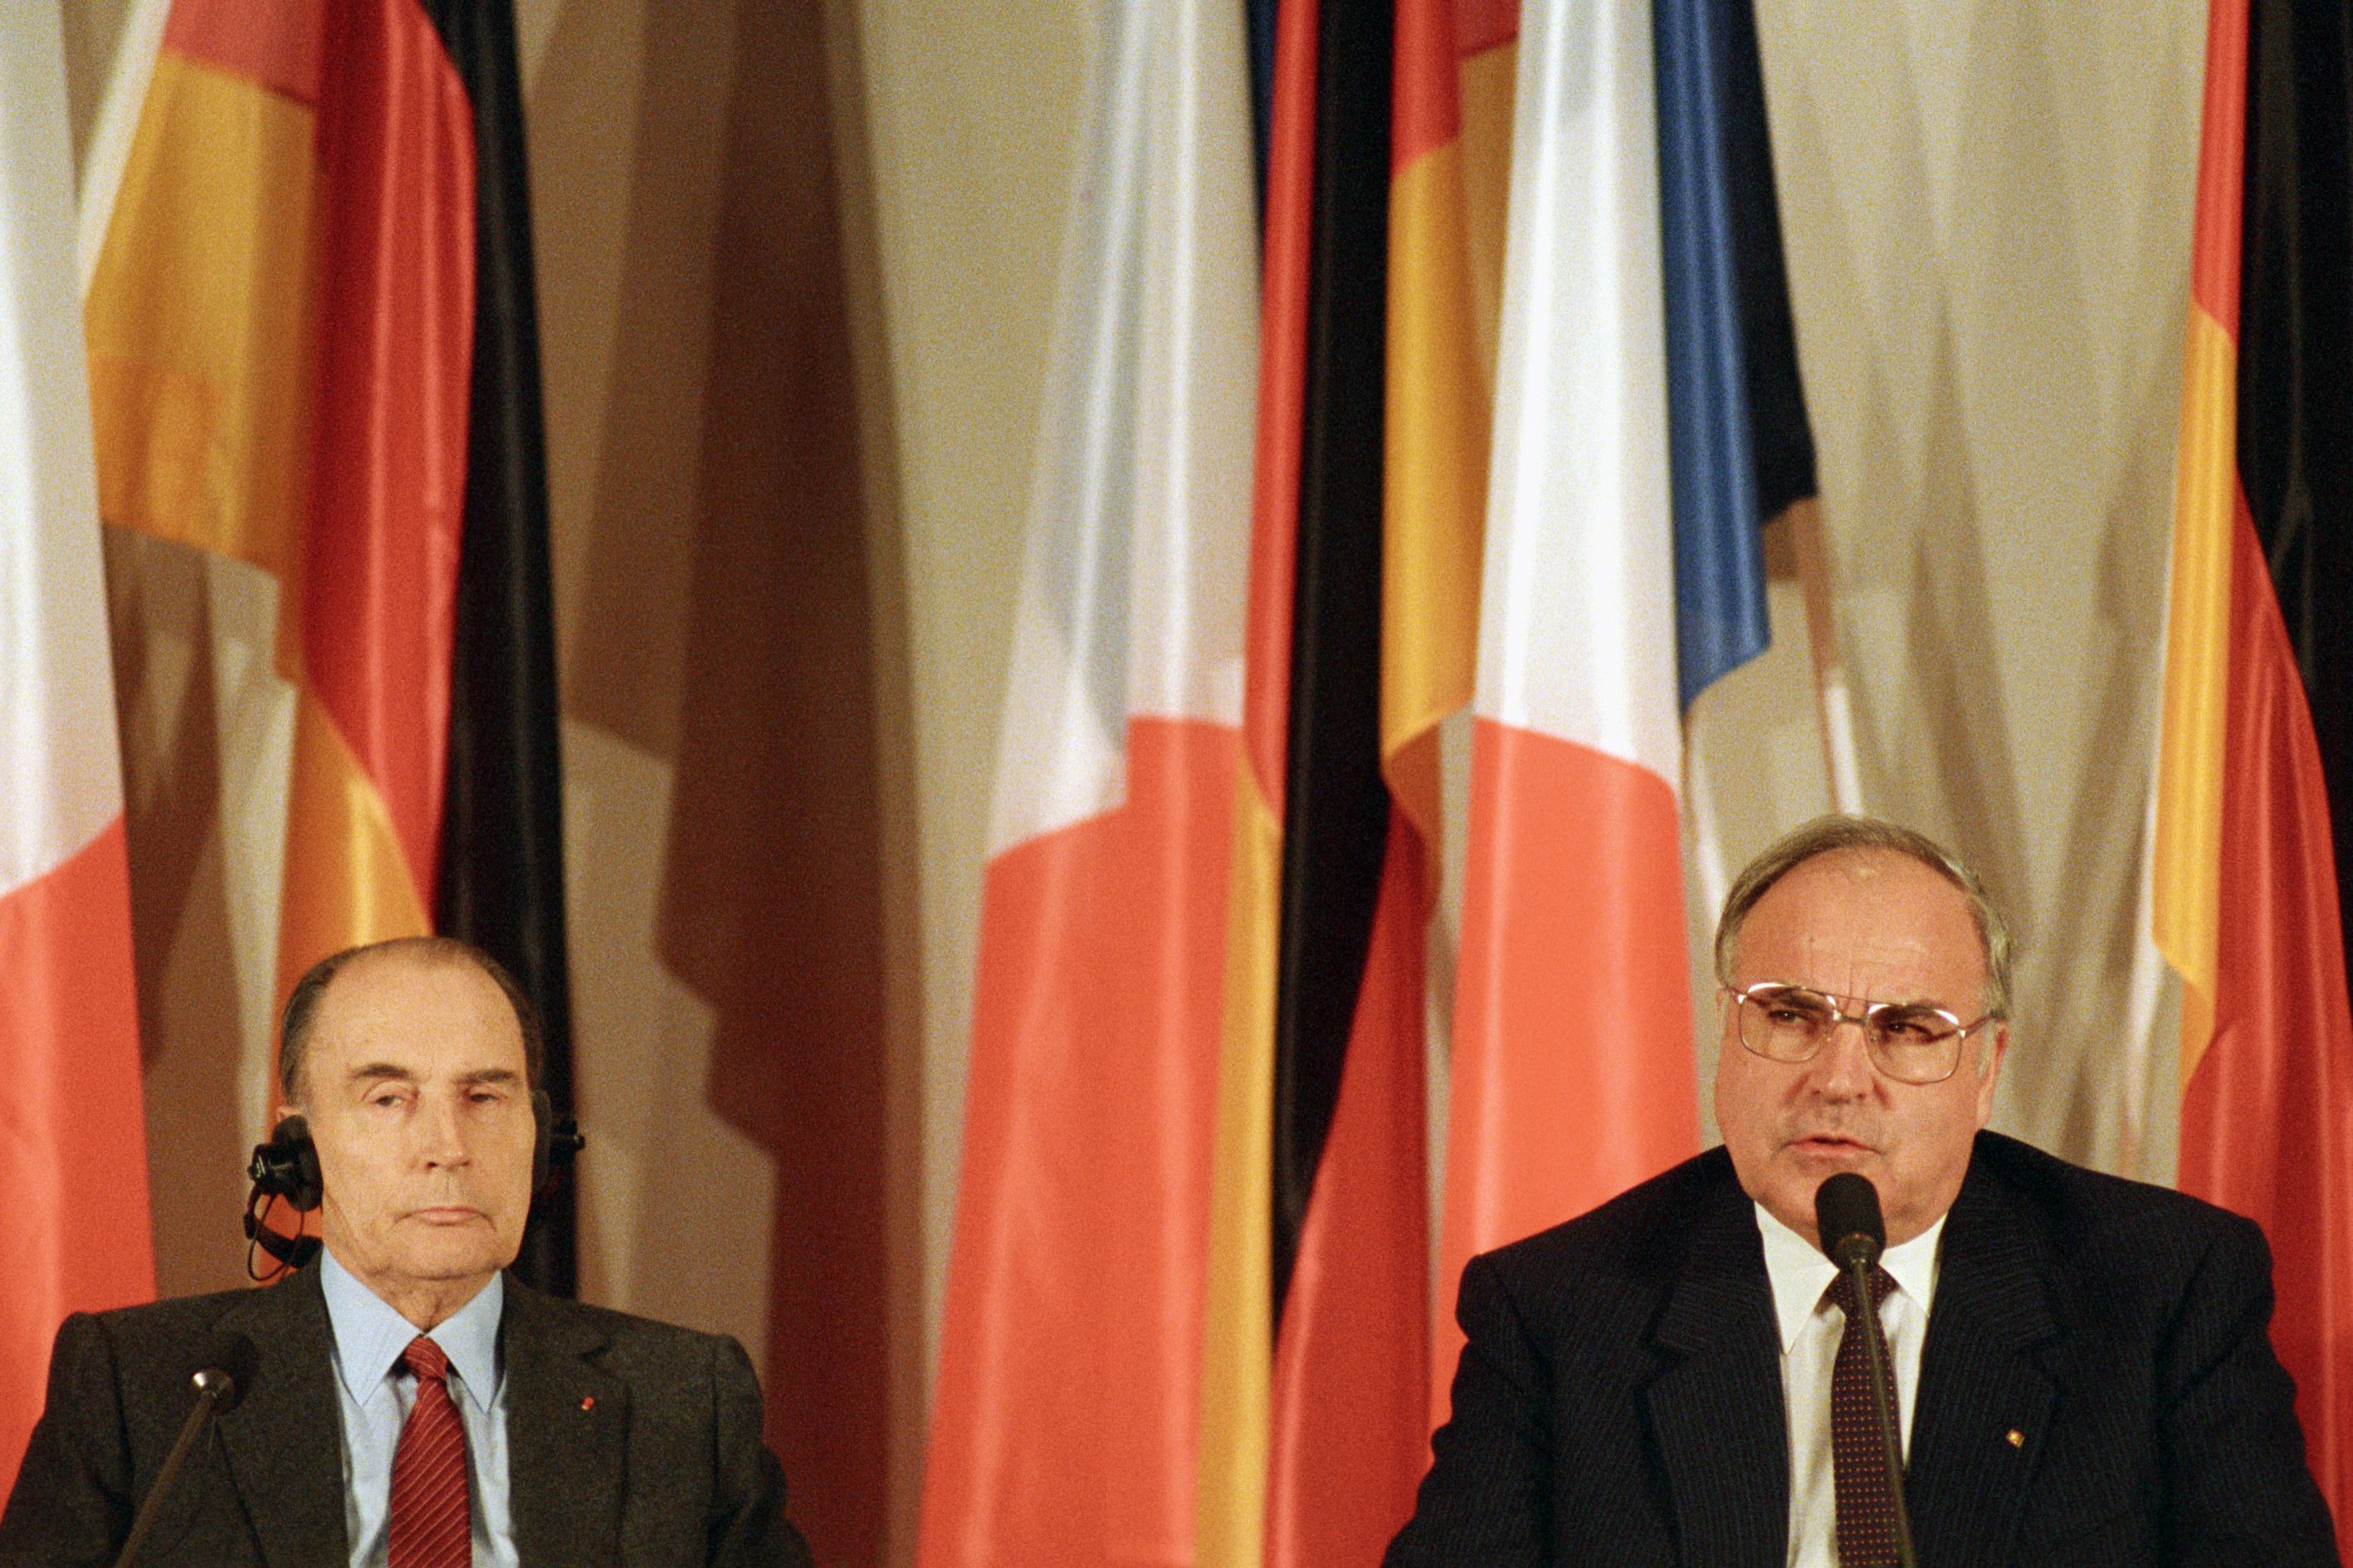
point(377, 1391)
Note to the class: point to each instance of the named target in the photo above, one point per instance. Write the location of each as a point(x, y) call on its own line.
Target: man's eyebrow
point(386, 1071)
point(380, 1070)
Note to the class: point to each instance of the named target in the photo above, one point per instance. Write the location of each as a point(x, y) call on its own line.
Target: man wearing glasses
point(2081, 1364)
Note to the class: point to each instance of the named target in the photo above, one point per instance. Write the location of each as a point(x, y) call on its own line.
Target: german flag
point(280, 329)
point(1435, 473)
point(2255, 806)
point(1315, 1369)
point(1648, 420)
point(502, 870)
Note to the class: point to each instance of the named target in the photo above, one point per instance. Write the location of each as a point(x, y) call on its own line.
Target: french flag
point(1648, 419)
point(1064, 1423)
point(73, 1159)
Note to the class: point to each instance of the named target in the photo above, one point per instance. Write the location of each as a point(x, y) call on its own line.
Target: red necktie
point(432, 1524)
point(1866, 1508)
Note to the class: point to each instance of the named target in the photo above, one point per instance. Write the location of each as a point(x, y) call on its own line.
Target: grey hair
point(1827, 835)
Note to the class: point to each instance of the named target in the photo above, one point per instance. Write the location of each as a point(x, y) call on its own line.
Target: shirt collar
point(1801, 1273)
point(370, 1336)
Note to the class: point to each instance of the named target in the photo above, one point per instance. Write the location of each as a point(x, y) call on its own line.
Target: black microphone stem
point(212, 1387)
point(1882, 1405)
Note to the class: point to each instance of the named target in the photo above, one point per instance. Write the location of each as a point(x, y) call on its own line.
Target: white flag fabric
point(1572, 1075)
point(74, 1229)
point(1063, 1426)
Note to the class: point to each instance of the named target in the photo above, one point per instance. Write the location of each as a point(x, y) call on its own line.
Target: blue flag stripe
point(1728, 339)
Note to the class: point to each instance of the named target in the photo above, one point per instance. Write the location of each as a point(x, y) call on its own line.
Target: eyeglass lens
point(1911, 1042)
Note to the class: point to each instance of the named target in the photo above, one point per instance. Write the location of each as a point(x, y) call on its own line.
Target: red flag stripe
point(73, 1165)
point(1482, 24)
point(380, 556)
point(2221, 168)
point(1541, 1133)
point(1427, 111)
point(272, 43)
point(1281, 399)
point(1064, 1415)
point(2267, 1116)
point(1351, 1362)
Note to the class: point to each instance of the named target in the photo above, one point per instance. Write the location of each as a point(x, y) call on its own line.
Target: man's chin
point(452, 1252)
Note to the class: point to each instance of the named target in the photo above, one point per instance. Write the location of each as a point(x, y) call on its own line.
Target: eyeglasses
point(1910, 1043)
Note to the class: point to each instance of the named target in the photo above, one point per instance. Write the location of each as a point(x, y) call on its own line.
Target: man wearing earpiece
point(410, 1406)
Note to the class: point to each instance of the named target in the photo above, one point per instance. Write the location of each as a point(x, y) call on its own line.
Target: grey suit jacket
point(2096, 1387)
point(629, 1441)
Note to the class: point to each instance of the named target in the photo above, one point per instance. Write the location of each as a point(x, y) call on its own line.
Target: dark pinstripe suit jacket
point(628, 1441)
point(1619, 1400)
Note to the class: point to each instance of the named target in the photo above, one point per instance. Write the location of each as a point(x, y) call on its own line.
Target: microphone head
point(1846, 1217)
point(226, 1372)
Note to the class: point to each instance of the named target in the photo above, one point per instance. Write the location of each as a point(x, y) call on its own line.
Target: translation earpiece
point(555, 1143)
point(287, 1166)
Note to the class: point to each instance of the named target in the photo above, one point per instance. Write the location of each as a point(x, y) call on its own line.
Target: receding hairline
point(1838, 834)
point(299, 1021)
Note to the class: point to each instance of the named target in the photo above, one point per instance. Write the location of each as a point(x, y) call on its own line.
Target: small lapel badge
point(588, 1402)
point(2017, 1438)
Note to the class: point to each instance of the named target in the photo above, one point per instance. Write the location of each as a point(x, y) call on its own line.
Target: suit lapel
point(1715, 1412)
point(284, 1439)
point(1985, 1404)
point(566, 1418)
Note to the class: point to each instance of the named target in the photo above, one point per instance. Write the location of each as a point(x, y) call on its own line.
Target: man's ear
point(1989, 1068)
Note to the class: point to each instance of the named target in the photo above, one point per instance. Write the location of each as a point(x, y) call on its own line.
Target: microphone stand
point(213, 1387)
point(1857, 1260)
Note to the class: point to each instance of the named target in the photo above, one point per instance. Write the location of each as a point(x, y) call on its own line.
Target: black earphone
point(288, 1167)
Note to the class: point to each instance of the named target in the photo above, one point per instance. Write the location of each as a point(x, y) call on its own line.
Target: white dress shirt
point(1811, 1324)
point(375, 1393)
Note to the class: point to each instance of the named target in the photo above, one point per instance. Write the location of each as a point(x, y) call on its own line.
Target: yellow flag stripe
point(2185, 867)
point(1434, 482)
point(1238, 1320)
point(199, 319)
point(346, 880)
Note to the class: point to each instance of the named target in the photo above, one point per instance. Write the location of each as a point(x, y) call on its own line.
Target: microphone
point(1847, 1219)
point(1846, 1214)
point(223, 1378)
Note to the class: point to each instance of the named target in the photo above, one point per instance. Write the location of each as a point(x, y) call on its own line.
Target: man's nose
point(442, 1132)
point(1841, 1069)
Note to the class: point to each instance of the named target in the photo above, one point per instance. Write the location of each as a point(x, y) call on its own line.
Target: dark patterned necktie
point(1866, 1510)
point(432, 1518)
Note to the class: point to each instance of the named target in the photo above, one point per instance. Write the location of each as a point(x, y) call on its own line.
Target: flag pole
point(1709, 869)
point(2143, 989)
point(1833, 696)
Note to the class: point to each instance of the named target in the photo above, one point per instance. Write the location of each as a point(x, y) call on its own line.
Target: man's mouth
point(446, 1214)
point(1829, 1143)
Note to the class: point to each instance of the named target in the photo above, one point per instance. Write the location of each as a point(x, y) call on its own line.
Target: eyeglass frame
point(1861, 1021)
